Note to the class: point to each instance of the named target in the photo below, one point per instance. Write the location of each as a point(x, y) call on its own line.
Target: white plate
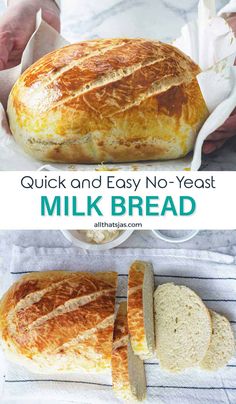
point(187, 235)
point(79, 240)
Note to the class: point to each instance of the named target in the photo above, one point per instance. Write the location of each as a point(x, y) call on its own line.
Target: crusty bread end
point(128, 374)
point(140, 309)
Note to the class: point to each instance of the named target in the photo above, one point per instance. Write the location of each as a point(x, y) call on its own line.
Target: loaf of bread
point(140, 309)
point(108, 100)
point(183, 327)
point(59, 321)
point(128, 373)
point(222, 345)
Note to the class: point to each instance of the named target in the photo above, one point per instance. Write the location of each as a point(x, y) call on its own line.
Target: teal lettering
point(50, 210)
point(150, 205)
point(183, 211)
point(93, 205)
point(74, 207)
point(135, 202)
point(168, 206)
point(66, 206)
point(118, 206)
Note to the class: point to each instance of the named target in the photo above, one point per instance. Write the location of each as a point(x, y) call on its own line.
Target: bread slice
point(222, 345)
point(128, 374)
point(183, 327)
point(140, 309)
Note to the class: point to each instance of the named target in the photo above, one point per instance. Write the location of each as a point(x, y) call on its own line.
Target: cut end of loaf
point(140, 309)
point(183, 327)
point(222, 345)
point(128, 374)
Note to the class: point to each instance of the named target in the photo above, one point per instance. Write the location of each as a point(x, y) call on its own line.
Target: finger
point(228, 129)
point(53, 19)
point(232, 21)
point(14, 59)
point(210, 147)
point(228, 126)
point(230, 123)
point(221, 135)
point(6, 46)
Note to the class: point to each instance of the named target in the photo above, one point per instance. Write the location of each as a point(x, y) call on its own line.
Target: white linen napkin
point(212, 45)
point(210, 274)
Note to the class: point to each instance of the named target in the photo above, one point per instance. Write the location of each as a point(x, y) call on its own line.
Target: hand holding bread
point(108, 100)
point(17, 25)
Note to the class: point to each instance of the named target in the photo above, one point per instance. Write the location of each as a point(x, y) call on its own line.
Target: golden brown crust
point(136, 308)
point(108, 100)
point(120, 366)
point(128, 374)
point(60, 317)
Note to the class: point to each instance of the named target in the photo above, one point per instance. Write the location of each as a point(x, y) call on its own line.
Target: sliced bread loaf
point(183, 327)
point(222, 345)
point(128, 374)
point(140, 309)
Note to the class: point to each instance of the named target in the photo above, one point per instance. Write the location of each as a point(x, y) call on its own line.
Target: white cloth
point(212, 275)
point(229, 8)
point(210, 42)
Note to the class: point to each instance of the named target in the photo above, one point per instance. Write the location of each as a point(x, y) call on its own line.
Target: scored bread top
point(59, 321)
point(83, 76)
point(112, 90)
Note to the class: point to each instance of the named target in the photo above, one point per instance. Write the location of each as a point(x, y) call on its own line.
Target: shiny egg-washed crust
point(135, 312)
point(108, 100)
point(59, 321)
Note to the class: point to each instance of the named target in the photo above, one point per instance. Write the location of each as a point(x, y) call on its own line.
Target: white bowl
point(79, 240)
point(187, 235)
